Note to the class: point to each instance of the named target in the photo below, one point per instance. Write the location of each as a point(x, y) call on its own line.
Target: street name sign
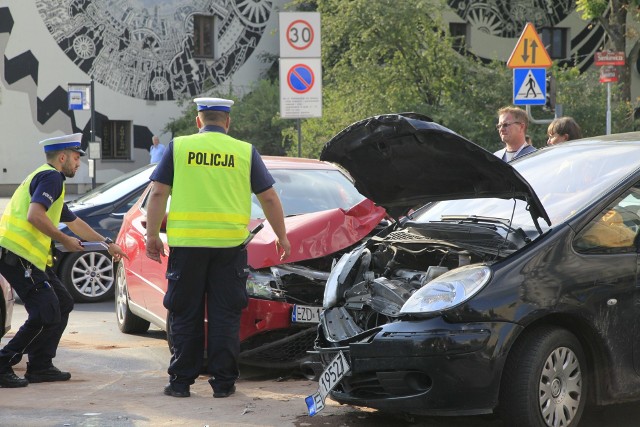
point(609, 58)
point(608, 74)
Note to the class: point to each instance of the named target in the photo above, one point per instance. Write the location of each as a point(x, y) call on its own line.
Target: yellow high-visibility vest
point(18, 235)
point(211, 191)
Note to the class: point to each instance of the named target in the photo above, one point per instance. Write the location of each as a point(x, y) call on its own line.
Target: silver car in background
point(6, 308)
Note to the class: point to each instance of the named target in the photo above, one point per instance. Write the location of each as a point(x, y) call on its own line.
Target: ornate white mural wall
point(496, 26)
point(144, 48)
point(139, 54)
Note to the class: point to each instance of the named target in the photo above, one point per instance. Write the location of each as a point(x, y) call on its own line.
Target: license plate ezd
point(305, 314)
point(330, 377)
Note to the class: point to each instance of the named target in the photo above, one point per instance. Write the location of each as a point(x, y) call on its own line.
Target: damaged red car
point(325, 217)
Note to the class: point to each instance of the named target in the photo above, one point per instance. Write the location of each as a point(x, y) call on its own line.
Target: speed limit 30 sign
point(299, 34)
point(300, 65)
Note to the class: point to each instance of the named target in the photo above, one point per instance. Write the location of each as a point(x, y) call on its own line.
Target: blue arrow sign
point(529, 86)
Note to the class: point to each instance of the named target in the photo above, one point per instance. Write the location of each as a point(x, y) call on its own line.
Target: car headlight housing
point(338, 275)
point(259, 285)
point(448, 290)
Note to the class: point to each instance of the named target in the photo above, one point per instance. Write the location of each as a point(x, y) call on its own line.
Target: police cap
point(65, 142)
point(213, 104)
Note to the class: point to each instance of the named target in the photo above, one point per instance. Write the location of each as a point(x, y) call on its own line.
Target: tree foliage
point(585, 99)
point(255, 118)
point(389, 56)
point(612, 15)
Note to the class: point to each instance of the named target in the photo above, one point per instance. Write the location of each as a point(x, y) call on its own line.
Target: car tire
point(3, 314)
point(88, 276)
point(545, 380)
point(128, 322)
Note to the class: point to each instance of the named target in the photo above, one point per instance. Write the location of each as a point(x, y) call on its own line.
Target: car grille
point(302, 290)
point(386, 384)
point(403, 236)
point(278, 349)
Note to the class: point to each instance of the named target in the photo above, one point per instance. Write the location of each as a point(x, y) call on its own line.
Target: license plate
point(305, 314)
point(330, 377)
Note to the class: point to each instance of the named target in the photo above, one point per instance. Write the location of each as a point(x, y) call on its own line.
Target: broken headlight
point(259, 285)
point(448, 290)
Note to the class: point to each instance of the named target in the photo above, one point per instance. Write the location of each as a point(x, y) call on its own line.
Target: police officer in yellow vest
point(210, 177)
point(27, 227)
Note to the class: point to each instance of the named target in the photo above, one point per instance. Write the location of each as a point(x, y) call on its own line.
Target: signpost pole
point(608, 108)
point(300, 68)
point(608, 61)
point(81, 97)
point(299, 138)
point(529, 61)
point(93, 131)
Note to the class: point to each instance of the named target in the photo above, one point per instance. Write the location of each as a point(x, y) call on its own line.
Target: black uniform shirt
point(46, 188)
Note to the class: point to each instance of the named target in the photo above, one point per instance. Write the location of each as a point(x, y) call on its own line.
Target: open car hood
point(317, 234)
point(402, 161)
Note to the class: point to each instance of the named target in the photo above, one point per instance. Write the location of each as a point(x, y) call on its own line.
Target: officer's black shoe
point(170, 391)
point(11, 380)
point(46, 375)
point(225, 393)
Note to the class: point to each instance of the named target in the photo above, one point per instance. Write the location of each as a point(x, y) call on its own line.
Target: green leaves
point(592, 9)
point(389, 56)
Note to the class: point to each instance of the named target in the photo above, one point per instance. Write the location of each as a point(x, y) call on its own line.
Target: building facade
point(490, 29)
point(143, 56)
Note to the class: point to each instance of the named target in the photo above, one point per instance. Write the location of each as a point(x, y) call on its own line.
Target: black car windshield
point(566, 178)
point(113, 190)
point(307, 190)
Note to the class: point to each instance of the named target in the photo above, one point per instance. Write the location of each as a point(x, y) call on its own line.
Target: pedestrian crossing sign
point(529, 86)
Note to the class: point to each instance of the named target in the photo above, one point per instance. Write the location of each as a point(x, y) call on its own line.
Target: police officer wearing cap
point(210, 177)
point(27, 227)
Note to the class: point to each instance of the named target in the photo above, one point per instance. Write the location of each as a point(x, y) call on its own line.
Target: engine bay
point(389, 269)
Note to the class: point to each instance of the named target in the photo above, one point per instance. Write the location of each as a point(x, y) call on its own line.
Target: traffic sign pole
point(300, 68)
point(609, 74)
point(81, 96)
point(529, 61)
point(608, 108)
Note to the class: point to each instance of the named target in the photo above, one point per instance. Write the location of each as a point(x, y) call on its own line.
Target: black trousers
point(48, 304)
point(213, 279)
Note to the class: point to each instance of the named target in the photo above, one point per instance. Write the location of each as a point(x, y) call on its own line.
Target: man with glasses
point(512, 127)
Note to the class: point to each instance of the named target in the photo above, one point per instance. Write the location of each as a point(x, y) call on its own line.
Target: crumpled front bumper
point(425, 367)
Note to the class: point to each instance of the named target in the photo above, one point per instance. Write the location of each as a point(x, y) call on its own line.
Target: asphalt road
point(117, 380)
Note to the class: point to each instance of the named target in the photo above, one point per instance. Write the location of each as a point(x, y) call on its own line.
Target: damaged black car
point(507, 288)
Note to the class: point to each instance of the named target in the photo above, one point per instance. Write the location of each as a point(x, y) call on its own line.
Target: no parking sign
point(300, 88)
point(300, 67)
